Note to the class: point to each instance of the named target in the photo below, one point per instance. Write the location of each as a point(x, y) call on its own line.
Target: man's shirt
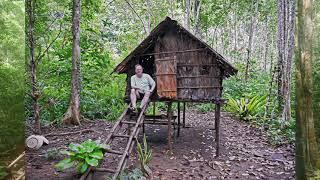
point(144, 83)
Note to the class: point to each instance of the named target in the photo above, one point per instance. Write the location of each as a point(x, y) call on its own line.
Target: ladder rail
point(129, 146)
point(129, 143)
point(108, 139)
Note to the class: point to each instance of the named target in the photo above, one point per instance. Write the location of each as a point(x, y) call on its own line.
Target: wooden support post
point(217, 127)
point(169, 115)
point(184, 115)
point(178, 134)
point(154, 112)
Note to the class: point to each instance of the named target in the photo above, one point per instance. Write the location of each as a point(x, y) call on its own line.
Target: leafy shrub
point(3, 173)
point(83, 155)
point(247, 108)
point(207, 107)
point(144, 155)
point(280, 132)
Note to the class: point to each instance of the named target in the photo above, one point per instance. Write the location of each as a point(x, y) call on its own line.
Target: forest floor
point(245, 151)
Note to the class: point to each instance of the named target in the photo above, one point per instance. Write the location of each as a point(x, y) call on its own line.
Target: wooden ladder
point(133, 128)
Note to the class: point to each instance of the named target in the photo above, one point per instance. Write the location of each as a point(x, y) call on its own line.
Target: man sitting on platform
point(142, 85)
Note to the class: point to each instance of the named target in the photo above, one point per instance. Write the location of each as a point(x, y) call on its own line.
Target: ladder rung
point(121, 136)
point(105, 170)
point(114, 152)
point(128, 122)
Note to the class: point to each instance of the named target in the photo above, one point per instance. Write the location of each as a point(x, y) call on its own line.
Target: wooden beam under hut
point(169, 114)
point(217, 127)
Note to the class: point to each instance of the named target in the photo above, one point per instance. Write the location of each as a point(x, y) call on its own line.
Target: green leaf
point(82, 167)
point(97, 154)
point(92, 161)
point(67, 153)
point(74, 147)
point(64, 164)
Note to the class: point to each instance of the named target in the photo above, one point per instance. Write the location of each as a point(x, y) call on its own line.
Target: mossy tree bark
point(31, 42)
point(306, 145)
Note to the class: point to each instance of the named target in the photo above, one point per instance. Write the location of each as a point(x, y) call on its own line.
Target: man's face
point(139, 70)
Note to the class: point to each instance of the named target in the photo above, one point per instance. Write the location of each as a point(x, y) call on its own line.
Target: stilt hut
point(185, 69)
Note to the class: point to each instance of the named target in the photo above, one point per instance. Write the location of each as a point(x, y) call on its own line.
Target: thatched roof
point(229, 70)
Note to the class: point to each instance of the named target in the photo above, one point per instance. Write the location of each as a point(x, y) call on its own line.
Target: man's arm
point(133, 83)
point(152, 83)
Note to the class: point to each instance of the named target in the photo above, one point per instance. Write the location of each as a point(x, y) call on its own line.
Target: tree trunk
point(187, 15)
point(35, 94)
point(306, 145)
point(197, 6)
point(286, 19)
point(280, 54)
point(72, 116)
point(249, 49)
point(286, 113)
point(266, 45)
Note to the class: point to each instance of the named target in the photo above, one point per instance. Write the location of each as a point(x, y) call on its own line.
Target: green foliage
point(247, 108)
point(3, 173)
point(236, 87)
point(144, 155)
point(82, 156)
point(204, 107)
point(12, 79)
point(280, 132)
point(315, 175)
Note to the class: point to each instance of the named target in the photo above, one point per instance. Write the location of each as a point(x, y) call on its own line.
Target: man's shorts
point(141, 95)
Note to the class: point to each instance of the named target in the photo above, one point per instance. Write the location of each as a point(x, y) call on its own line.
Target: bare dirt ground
point(245, 151)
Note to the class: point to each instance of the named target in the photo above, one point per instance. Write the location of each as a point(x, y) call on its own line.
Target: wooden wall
point(198, 75)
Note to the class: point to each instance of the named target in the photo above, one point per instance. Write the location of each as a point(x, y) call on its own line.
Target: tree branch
point(143, 23)
point(46, 50)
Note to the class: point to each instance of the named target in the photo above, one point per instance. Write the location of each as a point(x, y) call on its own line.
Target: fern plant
point(144, 155)
point(82, 156)
point(247, 108)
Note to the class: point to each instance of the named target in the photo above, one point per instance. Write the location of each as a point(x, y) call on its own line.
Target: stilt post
point(169, 115)
point(154, 112)
point(178, 134)
point(217, 127)
point(184, 115)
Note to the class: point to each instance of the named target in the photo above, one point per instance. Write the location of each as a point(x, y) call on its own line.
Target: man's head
point(138, 70)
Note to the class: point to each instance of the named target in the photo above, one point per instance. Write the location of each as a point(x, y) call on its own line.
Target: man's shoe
point(132, 109)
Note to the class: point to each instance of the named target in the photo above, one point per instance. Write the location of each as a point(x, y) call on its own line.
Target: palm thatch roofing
point(161, 28)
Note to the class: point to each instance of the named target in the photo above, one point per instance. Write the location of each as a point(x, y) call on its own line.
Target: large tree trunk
point(306, 145)
point(286, 19)
point(30, 4)
point(72, 116)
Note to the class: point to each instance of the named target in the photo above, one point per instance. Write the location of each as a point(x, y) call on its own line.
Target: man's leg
point(145, 99)
point(133, 98)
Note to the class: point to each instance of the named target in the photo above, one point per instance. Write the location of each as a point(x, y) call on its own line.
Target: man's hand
point(136, 88)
